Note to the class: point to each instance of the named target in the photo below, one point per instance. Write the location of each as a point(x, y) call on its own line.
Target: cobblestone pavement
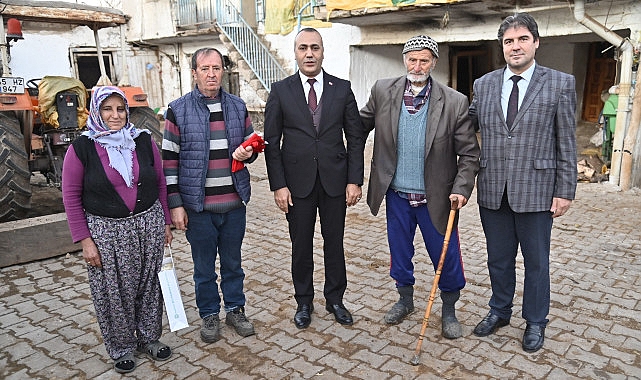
point(48, 328)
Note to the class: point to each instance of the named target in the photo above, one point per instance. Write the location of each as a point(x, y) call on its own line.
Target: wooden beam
point(36, 238)
point(62, 12)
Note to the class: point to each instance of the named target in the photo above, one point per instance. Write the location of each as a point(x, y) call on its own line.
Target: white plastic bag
point(171, 294)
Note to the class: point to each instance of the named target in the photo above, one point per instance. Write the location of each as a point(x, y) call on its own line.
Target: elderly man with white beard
point(422, 127)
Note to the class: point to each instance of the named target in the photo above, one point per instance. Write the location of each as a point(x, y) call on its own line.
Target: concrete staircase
point(245, 71)
point(252, 90)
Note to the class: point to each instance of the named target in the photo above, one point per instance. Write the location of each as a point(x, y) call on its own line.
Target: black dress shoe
point(303, 316)
point(490, 324)
point(533, 338)
point(340, 313)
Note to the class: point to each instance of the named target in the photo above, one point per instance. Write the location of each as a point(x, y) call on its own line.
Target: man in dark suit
point(307, 117)
point(425, 155)
point(526, 115)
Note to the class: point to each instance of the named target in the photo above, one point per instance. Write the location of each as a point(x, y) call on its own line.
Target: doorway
point(88, 69)
point(467, 64)
point(600, 76)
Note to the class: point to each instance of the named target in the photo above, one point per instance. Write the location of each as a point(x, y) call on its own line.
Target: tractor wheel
point(15, 188)
point(145, 118)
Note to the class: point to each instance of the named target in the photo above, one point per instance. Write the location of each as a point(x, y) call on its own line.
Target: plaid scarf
point(414, 103)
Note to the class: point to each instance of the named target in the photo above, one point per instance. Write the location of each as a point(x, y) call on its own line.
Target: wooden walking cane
point(437, 276)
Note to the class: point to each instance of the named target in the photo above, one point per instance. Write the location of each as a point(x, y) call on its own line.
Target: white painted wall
point(26, 56)
point(336, 41)
point(45, 49)
point(153, 19)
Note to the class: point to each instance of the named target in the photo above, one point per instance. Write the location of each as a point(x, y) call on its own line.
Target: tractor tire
point(15, 186)
point(145, 118)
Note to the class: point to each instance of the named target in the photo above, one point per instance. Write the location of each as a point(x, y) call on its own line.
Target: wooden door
point(600, 76)
point(467, 63)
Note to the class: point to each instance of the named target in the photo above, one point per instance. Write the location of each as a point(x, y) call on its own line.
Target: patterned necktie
point(311, 98)
point(513, 103)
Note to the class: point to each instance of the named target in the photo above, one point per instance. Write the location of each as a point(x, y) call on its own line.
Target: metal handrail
point(262, 62)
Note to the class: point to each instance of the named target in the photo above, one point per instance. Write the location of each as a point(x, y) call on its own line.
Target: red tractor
point(40, 118)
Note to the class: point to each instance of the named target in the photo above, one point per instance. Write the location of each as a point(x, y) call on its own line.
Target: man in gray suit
point(526, 115)
point(425, 155)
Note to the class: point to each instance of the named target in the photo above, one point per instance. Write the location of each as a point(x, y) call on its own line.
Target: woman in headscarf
point(115, 197)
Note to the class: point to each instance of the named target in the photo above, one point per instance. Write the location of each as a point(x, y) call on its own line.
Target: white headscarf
point(120, 144)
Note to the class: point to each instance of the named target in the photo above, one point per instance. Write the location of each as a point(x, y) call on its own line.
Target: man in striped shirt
point(204, 130)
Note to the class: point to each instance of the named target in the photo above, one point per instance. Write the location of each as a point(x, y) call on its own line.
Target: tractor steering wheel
point(31, 83)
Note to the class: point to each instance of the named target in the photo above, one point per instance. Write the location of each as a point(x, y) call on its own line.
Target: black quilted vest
point(99, 197)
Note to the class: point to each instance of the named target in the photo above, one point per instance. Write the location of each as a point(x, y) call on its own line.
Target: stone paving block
point(312, 352)
point(591, 301)
point(368, 356)
point(36, 361)
point(567, 321)
point(56, 372)
point(40, 314)
point(203, 374)
point(625, 357)
point(95, 366)
point(364, 371)
point(632, 343)
point(599, 335)
point(303, 367)
point(590, 371)
point(214, 363)
point(271, 370)
point(530, 365)
point(621, 312)
point(55, 346)
point(19, 349)
point(579, 353)
point(481, 351)
point(19, 375)
point(284, 341)
point(372, 343)
point(490, 369)
point(8, 318)
point(625, 369)
point(36, 336)
point(337, 363)
point(563, 365)
point(69, 332)
point(68, 311)
point(11, 299)
point(278, 356)
point(629, 330)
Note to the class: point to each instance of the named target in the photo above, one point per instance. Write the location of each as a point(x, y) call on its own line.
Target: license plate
point(10, 85)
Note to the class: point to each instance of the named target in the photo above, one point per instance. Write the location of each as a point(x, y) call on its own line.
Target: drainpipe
point(623, 108)
point(631, 138)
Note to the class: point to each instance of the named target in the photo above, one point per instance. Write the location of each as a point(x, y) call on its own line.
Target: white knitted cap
point(421, 42)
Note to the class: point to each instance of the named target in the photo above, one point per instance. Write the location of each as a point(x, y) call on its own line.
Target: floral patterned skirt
point(126, 291)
